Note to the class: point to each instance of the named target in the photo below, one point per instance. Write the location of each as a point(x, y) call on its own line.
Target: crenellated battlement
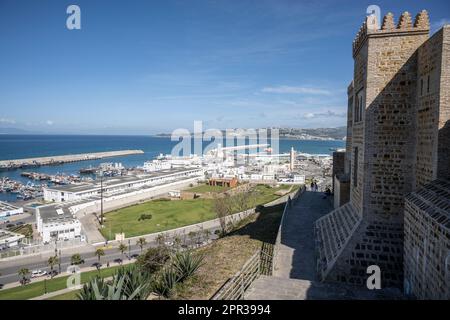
point(371, 27)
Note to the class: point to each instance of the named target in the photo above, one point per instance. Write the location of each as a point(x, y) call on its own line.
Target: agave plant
point(186, 264)
point(125, 285)
point(135, 281)
point(165, 283)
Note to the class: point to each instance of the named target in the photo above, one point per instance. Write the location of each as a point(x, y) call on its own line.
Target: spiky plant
point(165, 283)
point(185, 264)
point(135, 280)
point(124, 286)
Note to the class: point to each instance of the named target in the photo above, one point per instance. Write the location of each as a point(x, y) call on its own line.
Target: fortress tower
point(393, 146)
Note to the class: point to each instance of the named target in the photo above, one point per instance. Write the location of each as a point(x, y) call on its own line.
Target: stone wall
point(433, 109)
point(427, 241)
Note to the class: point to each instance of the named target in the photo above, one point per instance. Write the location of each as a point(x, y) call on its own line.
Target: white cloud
point(49, 122)
point(329, 113)
point(7, 121)
point(296, 90)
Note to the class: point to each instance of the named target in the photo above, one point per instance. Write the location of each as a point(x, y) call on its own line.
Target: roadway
point(9, 274)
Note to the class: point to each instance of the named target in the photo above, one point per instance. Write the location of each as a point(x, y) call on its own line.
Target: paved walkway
point(296, 254)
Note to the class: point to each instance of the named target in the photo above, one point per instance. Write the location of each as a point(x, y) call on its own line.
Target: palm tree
point(122, 249)
point(141, 243)
point(23, 274)
point(99, 253)
point(52, 261)
point(76, 259)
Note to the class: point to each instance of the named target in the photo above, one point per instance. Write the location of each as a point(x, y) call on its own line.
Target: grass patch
point(226, 256)
point(26, 230)
point(207, 188)
point(72, 295)
point(37, 289)
point(168, 215)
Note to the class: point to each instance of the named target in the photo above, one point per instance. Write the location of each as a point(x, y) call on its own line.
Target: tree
point(76, 259)
point(222, 208)
point(153, 259)
point(52, 261)
point(141, 242)
point(99, 253)
point(122, 248)
point(23, 274)
point(161, 240)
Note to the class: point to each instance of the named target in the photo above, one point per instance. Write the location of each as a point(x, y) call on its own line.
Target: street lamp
point(129, 249)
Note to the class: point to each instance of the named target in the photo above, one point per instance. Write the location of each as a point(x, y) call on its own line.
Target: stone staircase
point(275, 288)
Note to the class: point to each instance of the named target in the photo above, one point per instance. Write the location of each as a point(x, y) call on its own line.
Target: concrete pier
point(52, 160)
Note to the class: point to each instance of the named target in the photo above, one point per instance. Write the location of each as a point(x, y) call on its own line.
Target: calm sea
point(27, 146)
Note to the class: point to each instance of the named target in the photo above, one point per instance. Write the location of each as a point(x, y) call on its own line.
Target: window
point(428, 84)
point(355, 167)
point(359, 106)
point(421, 87)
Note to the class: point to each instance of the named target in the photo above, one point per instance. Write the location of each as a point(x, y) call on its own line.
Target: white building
point(117, 185)
point(10, 239)
point(54, 222)
point(7, 210)
point(156, 165)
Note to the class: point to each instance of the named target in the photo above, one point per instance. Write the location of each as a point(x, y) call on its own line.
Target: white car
point(38, 273)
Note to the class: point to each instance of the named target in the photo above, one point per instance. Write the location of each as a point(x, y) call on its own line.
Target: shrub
point(186, 264)
point(165, 283)
point(153, 259)
point(145, 217)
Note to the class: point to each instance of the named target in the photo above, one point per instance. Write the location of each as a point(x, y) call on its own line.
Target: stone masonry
point(398, 140)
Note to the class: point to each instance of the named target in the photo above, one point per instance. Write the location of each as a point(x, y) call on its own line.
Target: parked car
point(54, 272)
point(38, 273)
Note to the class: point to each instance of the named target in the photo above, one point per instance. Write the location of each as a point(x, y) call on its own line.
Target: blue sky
point(139, 67)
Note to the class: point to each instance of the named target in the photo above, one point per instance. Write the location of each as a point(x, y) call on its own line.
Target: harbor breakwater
point(56, 160)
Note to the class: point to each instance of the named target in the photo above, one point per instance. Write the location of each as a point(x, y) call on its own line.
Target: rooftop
point(109, 182)
point(4, 206)
point(5, 235)
point(55, 213)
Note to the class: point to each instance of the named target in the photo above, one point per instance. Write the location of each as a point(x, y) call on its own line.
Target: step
point(275, 288)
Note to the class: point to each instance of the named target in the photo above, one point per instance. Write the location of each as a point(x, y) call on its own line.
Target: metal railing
point(259, 264)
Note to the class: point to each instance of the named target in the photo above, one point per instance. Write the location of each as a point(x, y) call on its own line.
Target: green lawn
point(72, 295)
point(206, 188)
point(168, 215)
point(36, 289)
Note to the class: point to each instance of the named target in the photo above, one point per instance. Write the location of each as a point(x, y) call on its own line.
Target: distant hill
point(7, 130)
point(338, 133)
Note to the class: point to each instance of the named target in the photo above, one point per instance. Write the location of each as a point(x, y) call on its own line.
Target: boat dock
point(56, 160)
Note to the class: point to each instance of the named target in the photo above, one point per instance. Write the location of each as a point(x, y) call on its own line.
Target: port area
point(56, 160)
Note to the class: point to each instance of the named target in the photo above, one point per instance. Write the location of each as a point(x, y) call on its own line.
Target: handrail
point(236, 286)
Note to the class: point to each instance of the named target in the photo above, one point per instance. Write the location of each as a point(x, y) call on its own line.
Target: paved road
point(9, 274)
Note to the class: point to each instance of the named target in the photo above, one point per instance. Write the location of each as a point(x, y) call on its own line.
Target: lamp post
point(129, 249)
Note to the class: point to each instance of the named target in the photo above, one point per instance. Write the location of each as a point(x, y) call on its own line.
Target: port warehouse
point(61, 220)
point(116, 184)
point(7, 210)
